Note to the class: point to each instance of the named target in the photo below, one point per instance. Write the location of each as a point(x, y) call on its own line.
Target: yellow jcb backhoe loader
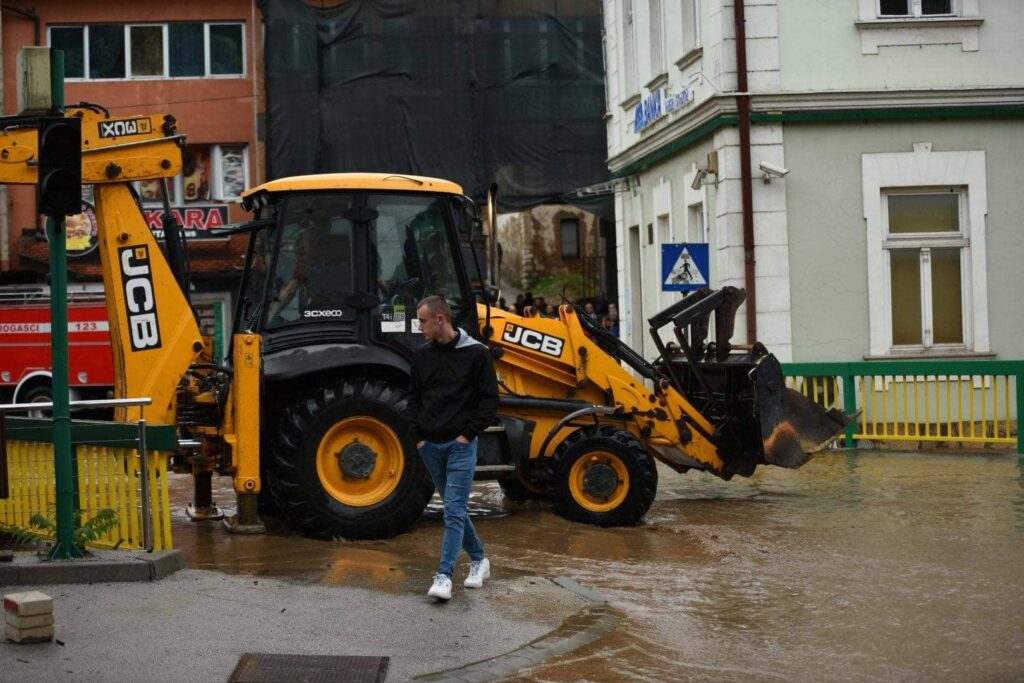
point(308, 414)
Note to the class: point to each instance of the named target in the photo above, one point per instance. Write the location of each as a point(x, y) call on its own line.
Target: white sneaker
point(478, 573)
point(442, 588)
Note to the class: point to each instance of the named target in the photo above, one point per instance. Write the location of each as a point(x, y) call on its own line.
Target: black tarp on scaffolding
point(476, 91)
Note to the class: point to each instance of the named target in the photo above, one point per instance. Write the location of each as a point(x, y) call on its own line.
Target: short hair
point(436, 305)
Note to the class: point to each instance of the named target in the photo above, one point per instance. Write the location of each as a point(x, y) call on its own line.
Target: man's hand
point(461, 439)
point(420, 444)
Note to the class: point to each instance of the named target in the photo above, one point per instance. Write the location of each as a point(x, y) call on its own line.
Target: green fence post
point(850, 406)
point(1020, 411)
point(65, 547)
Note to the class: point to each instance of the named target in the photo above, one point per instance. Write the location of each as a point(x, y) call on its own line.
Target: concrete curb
point(102, 567)
point(589, 624)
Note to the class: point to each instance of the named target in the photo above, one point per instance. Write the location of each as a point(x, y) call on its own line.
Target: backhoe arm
point(154, 334)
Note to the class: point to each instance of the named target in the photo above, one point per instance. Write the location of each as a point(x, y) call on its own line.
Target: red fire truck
point(25, 344)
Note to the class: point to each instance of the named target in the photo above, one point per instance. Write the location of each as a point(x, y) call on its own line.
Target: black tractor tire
point(605, 444)
point(292, 470)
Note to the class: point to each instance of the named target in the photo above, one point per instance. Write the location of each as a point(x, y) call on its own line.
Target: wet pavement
point(864, 566)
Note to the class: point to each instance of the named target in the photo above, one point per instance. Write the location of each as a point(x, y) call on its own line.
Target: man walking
point(454, 398)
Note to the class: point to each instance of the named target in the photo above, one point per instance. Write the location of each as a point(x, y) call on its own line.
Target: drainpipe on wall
point(746, 180)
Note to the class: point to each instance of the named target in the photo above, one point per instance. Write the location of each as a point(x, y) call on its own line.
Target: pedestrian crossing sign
point(684, 267)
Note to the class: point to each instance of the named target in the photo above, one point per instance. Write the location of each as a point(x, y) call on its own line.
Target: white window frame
point(915, 11)
point(923, 243)
point(167, 54)
point(914, 29)
point(129, 76)
point(903, 173)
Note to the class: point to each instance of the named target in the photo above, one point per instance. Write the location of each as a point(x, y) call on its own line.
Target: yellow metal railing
point(970, 402)
point(108, 478)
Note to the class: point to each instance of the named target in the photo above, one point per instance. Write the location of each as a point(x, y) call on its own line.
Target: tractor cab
point(344, 259)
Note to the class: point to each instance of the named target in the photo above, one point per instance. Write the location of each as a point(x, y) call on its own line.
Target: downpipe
point(746, 174)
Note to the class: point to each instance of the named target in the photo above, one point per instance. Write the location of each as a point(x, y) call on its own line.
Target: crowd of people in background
point(598, 309)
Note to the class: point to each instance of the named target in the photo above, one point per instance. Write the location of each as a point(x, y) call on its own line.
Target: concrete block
point(41, 634)
point(17, 621)
point(28, 604)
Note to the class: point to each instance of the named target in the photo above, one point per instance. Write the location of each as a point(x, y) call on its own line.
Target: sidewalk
point(195, 624)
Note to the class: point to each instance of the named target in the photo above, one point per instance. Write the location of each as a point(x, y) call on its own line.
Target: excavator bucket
point(792, 426)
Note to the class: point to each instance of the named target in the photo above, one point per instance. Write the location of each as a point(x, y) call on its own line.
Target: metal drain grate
point(261, 668)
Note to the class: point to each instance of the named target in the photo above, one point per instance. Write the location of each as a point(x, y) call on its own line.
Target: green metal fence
point(943, 401)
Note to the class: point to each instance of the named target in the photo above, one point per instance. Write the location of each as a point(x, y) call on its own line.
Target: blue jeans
point(451, 466)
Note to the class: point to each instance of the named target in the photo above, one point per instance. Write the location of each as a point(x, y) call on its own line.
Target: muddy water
point(856, 567)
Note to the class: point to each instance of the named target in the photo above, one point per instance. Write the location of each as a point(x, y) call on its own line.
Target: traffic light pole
point(65, 547)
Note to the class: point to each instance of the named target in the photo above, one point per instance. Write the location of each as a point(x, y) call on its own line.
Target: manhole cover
point(261, 668)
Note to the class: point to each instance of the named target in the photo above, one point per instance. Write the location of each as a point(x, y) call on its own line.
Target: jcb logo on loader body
point(139, 298)
point(122, 127)
point(532, 339)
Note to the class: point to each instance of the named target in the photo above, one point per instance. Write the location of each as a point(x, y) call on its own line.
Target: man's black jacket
point(454, 390)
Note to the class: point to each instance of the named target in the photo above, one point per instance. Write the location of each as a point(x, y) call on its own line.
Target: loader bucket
point(792, 426)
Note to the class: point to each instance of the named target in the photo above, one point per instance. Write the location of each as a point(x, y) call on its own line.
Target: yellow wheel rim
point(578, 476)
point(366, 435)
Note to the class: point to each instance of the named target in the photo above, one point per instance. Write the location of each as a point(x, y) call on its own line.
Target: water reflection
point(856, 567)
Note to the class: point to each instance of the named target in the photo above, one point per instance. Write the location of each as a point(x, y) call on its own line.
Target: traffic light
point(59, 190)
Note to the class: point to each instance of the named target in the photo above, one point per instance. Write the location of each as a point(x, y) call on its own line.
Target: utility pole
point(65, 547)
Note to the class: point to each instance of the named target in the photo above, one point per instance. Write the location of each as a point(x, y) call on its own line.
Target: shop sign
point(658, 104)
point(81, 231)
point(195, 221)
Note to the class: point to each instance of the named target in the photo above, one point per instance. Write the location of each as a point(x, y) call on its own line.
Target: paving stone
point(28, 603)
point(35, 621)
point(40, 634)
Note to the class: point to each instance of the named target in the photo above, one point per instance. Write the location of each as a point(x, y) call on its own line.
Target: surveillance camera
point(770, 169)
point(698, 179)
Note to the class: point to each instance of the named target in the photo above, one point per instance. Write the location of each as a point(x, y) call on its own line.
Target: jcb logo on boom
point(139, 298)
point(532, 339)
point(122, 127)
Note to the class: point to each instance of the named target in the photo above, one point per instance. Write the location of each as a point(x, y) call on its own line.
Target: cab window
point(414, 258)
point(314, 273)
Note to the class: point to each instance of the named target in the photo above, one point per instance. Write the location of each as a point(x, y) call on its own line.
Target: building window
point(570, 232)
point(915, 8)
point(657, 34)
point(224, 47)
point(926, 245)
point(171, 50)
point(105, 54)
point(72, 42)
point(691, 25)
point(629, 84)
point(927, 272)
point(147, 50)
point(211, 173)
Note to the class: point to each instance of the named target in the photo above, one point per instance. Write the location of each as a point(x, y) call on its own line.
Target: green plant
point(17, 535)
point(86, 532)
point(553, 287)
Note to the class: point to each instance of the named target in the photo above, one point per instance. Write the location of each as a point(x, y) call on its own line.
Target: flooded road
point(856, 567)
